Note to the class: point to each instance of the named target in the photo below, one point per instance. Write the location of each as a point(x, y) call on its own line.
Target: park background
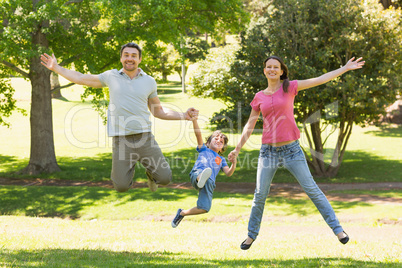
point(86, 226)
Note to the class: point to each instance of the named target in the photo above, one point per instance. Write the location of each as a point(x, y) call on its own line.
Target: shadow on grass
point(105, 258)
point(95, 168)
point(72, 202)
point(357, 167)
point(64, 202)
point(387, 131)
point(169, 88)
point(5, 159)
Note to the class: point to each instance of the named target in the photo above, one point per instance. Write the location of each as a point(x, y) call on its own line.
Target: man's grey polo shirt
point(128, 111)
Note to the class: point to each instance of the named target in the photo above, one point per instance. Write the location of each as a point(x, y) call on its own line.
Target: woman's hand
point(352, 65)
point(233, 156)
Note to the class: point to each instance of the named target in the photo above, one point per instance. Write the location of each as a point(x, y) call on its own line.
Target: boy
point(203, 175)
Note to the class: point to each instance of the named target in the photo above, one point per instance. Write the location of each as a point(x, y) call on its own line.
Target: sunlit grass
point(98, 227)
point(136, 243)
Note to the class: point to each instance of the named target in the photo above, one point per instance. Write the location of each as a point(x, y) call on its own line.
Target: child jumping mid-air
point(203, 175)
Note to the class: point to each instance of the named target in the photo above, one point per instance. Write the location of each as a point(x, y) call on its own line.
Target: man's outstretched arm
point(89, 80)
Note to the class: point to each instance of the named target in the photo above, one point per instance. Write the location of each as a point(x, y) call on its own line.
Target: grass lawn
point(98, 227)
point(65, 243)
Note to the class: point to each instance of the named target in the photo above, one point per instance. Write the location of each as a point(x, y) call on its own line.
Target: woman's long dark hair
point(285, 70)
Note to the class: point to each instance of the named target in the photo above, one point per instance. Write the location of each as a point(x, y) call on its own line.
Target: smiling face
point(130, 59)
point(273, 69)
point(217, 142)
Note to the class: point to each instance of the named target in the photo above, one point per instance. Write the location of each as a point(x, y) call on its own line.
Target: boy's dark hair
point(285, 70)
point(131, 44)
point(225, 140)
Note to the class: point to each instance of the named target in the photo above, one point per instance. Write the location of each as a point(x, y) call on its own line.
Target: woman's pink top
point(277, 112)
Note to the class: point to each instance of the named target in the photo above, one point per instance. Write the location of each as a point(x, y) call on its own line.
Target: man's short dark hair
point(131, 44)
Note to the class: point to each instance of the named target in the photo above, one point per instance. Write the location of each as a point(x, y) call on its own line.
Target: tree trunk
point(318, 153)
point(183, 77)
point(315, 144)
point(42, 156)
point(55, 83)
point(343, 138)
point(385, 3)
point(317, 149)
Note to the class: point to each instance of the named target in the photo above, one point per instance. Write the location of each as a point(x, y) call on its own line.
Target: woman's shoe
point(245, 246)
point(345, 239)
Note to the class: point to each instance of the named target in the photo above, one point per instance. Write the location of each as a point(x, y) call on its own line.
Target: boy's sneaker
point(177, 219)
point(203, 177)
point(151, 183)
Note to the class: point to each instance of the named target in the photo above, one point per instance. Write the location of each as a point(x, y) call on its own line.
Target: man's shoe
point(245, 246)
point(203, 177)
point(345, 239)
point(177, 219)
point(151, 183)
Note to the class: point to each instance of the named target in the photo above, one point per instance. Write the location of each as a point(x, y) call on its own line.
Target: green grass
point(61, 243)
point(98, 227)
point(88, 203)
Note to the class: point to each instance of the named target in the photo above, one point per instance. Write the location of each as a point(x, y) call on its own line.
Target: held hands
point(191, 114)
point(352, 65)
point(233, 156)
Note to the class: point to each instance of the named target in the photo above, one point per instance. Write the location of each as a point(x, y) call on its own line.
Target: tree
point(388, 3)
point(89, 34)
point(192, 49)
point(168, 21)
point(28, 29)
point(7, 102)
point(313, 41)
point(162, 61)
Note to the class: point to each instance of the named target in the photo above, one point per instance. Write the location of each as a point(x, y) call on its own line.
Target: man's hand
point(48, 61)
point(191, 114)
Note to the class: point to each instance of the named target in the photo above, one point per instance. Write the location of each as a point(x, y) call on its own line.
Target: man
point(133, 96)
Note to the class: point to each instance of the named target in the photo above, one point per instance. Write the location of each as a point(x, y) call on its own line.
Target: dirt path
point(288, 190)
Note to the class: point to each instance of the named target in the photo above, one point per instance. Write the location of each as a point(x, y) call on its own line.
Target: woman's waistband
point(281, 148)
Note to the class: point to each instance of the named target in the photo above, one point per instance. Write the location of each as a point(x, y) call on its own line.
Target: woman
point(280, 145)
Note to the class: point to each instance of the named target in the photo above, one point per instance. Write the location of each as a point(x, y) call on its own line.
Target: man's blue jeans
point(292, 158)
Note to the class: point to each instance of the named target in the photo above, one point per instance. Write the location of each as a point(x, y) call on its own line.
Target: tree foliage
point(313, 41)
point(7, 102)
point(87, 35)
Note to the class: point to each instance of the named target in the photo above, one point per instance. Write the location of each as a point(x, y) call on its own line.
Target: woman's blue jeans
point(292, 158)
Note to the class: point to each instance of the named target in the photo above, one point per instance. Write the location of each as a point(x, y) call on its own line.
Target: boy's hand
point(232, 159)
point(191, 114)
point(233, 156)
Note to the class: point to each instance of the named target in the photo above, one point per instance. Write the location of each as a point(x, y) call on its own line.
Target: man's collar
point(141, 72)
